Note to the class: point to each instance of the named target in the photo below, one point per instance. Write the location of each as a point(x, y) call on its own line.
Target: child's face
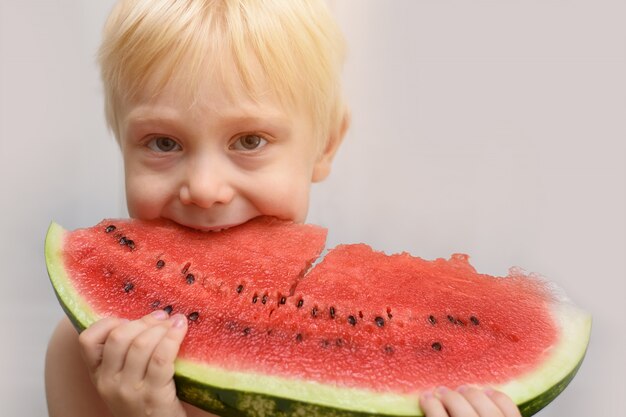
point(219, 162)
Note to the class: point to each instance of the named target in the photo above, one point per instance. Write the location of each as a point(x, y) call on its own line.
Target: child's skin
point(211, 164)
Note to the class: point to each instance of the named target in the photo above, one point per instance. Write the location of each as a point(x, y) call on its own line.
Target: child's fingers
point(480, 401)
point(432, 406)
point(504, 403)
point(119, 340)
point(140, 351)
point(456, 404)
point(161, 366)
point(92, 341)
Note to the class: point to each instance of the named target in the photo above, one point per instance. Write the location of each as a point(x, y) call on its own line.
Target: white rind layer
point(562, 359)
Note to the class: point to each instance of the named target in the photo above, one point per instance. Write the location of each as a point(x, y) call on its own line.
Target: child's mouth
point(213, 228)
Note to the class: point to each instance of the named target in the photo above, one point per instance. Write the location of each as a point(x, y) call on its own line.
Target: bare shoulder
point(69, 391)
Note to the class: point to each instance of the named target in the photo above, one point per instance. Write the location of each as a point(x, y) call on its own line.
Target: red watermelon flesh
point(156, 269)
point(359, 319)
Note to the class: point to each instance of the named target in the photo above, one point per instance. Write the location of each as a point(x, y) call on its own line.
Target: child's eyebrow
point(229, 119)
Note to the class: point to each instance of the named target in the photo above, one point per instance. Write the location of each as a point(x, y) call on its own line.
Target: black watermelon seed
point(109, 229)
point(298, 338)
point(380, 322)
point(451, 319)
point(194, 316)
point(123, 241)
point(160, 263)
point(190, 279)
point(155, 304)
point(436, 346)
point(255, 298)
point(474, 321)
point(239, 289)
point(264, 299)
point(314, 312)
point(168, 309)
point(352, 320)
point(186, 268)
point(389, 349)
point(332, 312)
point(246, 331)
point(432, 319)
point(283, 300)
point(325, 343)
point(130, 244)
point(128, 287)
point(300, 303)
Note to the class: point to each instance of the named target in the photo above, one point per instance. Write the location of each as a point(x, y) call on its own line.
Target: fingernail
point(462, 388)
point(427, 395)
point(159, 314)
point(488, 391)
point(442, 390)
point(179, 320)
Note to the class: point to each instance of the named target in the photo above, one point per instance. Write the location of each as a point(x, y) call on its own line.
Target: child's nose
point(206, 185)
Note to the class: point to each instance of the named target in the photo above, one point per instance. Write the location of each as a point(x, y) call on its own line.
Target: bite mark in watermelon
point(361, 333)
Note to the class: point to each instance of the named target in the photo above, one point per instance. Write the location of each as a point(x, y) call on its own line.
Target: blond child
point(224, 110)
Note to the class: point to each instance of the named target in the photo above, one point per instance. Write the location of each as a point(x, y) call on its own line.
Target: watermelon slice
point(359, 333)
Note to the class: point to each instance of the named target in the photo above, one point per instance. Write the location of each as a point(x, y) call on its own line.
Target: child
point(224, 110)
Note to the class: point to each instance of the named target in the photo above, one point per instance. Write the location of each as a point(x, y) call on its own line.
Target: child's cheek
point(143, 199)
point(290, 201)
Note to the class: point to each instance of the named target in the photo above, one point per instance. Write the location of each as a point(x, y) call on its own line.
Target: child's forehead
point(213, 80)
point(169, 97)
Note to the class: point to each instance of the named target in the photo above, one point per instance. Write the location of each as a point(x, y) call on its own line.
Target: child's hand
point(131, 363)
point(467, 402)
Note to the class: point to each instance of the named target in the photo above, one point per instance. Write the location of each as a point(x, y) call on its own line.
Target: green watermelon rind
point(234, 393)
point(75, 306)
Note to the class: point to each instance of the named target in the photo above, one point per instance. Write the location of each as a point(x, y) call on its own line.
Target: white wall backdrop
point(495, 128)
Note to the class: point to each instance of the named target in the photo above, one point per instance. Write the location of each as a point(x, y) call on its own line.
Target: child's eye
point(163, 144)
point(248, 143)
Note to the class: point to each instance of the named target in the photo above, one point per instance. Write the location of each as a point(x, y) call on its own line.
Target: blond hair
point(297, 44)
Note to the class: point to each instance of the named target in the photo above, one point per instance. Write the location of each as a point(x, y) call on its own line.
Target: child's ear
point(325, 160)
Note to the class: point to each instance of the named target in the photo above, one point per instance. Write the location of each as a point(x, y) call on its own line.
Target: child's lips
point(218, 228)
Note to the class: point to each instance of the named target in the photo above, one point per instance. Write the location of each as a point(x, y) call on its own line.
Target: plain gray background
point(495, 128)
